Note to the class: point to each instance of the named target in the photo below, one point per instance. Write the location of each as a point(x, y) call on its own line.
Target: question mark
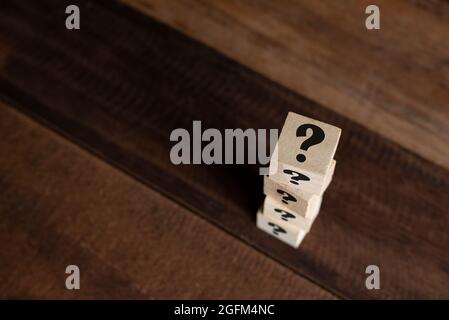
point(285, 215)
point(286, 196)
point(316, 138)
point(276, 228)
point(297, 176)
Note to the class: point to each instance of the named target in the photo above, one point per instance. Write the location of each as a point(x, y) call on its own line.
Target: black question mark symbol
point(276, 228)
point(285, 215)
point(297, 176)
point(316, 138)
point(286, 196)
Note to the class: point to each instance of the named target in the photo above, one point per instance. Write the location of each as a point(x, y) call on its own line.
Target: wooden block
point(291, 198)
point(276, 210)
point(304, 154)
point(280, 229)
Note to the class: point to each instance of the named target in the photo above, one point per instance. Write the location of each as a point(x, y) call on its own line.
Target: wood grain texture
point(395, 81)
point(60, 206)
point(121, 84)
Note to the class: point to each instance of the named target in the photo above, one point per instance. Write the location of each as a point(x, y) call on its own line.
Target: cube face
point(300, 183)
point(304, 153)
point(290, 199)
point(330, 175)
point(275, 210)
point(281, 230)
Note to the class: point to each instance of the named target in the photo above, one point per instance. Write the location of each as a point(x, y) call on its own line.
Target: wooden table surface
point(394, 81)
point(85, 175)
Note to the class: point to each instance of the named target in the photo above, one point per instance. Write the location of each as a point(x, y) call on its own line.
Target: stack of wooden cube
point(301, 169)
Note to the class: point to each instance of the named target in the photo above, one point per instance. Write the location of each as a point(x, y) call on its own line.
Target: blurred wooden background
point(394, 81)
point(85, 177)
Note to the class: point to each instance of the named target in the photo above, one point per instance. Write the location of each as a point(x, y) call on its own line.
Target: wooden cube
point(276, 210)
point(304, 153)
point(280, 229)
point(294, 199)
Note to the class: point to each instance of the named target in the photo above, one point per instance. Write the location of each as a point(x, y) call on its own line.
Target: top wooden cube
point(304, 153)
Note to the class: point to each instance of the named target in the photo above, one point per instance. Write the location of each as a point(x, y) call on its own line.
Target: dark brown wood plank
point(393, 81)
point(123, 82)
point(60, 206)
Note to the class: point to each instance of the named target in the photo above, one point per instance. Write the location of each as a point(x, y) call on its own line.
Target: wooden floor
point(394, 81)
point(62, 206)
point(86, 177)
